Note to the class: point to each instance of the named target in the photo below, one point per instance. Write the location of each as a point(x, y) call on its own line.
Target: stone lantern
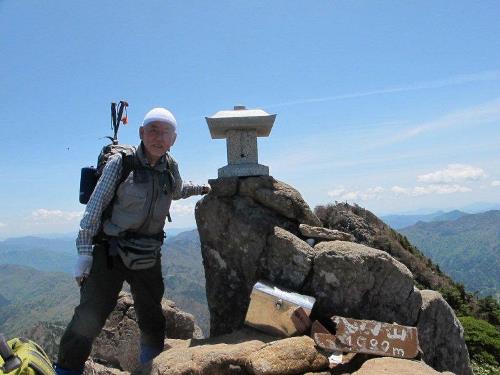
point(240, 128)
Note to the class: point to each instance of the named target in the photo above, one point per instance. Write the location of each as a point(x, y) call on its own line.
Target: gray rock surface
point(234, 235)
point(357, 281)
point(324, 233)
point(220, 359)
point(294, 355)
point(94, 368)
point(441, 335)
point(279, 197)
point(241, 352)
point(251, 232)
point(288, 259)
point(383, 366)
point(118, 344)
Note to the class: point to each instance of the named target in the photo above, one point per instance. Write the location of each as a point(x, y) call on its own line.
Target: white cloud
point(44, 215)
point(182, 208)
point(495, 183)
point(398, 190)
point(367, 194)
point(378, 192)
point(336, 192)
point(453, 173)
point(440, 189)
point(2, 225)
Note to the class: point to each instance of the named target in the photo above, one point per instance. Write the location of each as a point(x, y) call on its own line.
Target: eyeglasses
point(159, 133)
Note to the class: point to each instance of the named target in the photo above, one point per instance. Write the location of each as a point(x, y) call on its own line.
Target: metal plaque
point(278, 311)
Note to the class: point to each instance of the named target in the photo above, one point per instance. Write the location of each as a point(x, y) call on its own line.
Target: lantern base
point(243, 170)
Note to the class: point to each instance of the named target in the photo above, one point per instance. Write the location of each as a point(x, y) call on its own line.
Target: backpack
point(90, 175)
point(21, 356)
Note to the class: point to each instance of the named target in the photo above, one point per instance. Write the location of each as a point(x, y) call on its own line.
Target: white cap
point(161, 115)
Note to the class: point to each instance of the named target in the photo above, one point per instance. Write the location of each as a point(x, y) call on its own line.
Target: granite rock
point(324, 233)
point(360, 282)
point(294, 355)
point(383, 366)
point(287, 259)
point(279, 197)
point(441, 335)
point(118, 344)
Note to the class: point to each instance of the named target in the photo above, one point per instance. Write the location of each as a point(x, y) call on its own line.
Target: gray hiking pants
point(98, 297)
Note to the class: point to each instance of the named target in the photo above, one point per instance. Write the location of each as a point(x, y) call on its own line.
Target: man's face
point(157, 137)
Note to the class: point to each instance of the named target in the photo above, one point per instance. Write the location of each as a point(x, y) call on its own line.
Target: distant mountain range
point(402, 221)
point(54, 254)
point(45, 263)
point(466, 246)
point(37, 285)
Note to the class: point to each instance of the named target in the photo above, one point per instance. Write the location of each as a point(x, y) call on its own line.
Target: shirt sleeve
point(99, 200)
point(183, 190)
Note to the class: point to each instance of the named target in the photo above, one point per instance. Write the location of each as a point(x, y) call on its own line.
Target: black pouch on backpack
point(88, 181)
point(90, 175)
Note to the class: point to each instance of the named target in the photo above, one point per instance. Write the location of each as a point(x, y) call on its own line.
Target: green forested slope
point(468, 249)
point(43, 294)
point(34, 296)
point(184, 275)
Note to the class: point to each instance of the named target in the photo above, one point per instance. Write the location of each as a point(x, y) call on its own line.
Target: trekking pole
point(116, 118)
point(11, 360)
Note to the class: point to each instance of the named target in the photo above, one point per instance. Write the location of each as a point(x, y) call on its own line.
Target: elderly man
point(120, 239)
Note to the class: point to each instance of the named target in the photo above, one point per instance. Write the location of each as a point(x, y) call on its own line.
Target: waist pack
point(20, 356)
point(138, 253)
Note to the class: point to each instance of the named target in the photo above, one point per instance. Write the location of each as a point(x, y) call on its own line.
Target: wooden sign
point(323, 338)
point(371, 337)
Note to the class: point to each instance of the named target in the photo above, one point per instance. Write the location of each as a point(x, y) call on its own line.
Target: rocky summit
point(254, 228)
point(258, 228)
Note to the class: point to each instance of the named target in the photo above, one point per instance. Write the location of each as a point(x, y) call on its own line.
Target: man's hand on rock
point(206, 189)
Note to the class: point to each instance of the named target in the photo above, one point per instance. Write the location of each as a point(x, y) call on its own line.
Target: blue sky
point(392, 105)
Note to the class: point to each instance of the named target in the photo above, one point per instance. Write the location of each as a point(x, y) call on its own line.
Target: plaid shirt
point(104, 193)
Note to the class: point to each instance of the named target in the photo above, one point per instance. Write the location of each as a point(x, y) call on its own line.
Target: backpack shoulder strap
point(170, 176)
point(170, 160)
point(129, 163)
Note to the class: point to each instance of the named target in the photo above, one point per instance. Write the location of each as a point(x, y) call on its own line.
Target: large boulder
point(384, 366)
point(241, 352)
point(357, 281)
point(295, 355)
point(217, 359)
point(279, 197)
point(288, 259)
point(118, 344)
point(441, 335)
point(234, 222)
